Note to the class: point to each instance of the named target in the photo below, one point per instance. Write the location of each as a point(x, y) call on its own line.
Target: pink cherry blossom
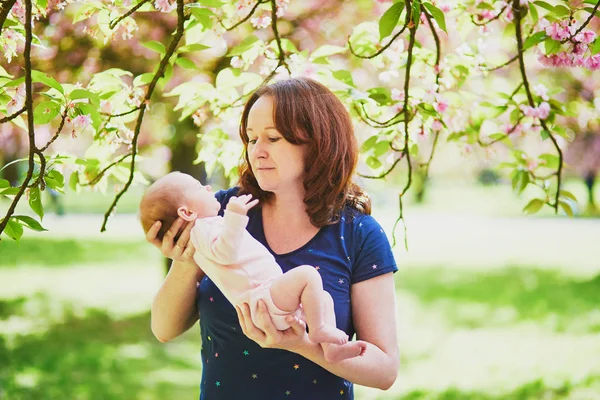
point(541, 91)
point(585, 37)
point(106, 106)
point(397, 94)
point(261, 22)
point(237, 62)
point(437, 125)
point(165, 5)
point(82, 121)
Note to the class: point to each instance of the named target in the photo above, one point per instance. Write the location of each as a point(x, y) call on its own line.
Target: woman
point(300, 154)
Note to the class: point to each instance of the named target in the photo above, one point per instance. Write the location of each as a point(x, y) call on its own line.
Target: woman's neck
point(288, 208)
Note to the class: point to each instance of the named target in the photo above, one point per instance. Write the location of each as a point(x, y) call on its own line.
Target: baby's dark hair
point(159, 204)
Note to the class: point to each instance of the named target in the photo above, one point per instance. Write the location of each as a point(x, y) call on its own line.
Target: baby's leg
point(333, 352)
point(303, 284)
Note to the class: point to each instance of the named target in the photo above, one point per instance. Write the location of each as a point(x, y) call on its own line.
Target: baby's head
point(176, 195)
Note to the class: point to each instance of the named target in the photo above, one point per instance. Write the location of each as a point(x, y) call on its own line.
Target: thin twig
point(386, 173)
point(115, 22)
point(159, 73)
point(246, 18)
point(101, 173)
point(58, 131)
point(407, 22)
point(277, 37)
point(15, 115)
point(489, 20)
point(588, 20)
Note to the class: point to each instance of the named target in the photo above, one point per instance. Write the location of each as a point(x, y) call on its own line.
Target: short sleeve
point(373, 253)
point(223, 197)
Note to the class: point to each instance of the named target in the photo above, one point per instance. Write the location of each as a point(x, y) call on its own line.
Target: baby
point(240, 266)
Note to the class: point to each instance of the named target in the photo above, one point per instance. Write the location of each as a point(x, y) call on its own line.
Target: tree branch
point(101, 173)
point(159, 73)
point(7, 5)
point(517, 12)
point(58, 131)
point(489, 20)
point(587, 21)
point(29, 107)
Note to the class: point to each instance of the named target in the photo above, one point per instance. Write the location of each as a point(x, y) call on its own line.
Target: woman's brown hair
point(308, 113)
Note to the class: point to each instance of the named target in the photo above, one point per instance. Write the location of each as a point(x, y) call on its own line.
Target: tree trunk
point(590, 179)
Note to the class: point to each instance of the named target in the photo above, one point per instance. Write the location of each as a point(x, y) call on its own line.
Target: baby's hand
point(241, 204)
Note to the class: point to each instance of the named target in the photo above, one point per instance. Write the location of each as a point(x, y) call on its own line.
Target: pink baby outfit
point(240, 266)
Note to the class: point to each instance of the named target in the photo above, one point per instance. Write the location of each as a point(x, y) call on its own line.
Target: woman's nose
point(259, 150)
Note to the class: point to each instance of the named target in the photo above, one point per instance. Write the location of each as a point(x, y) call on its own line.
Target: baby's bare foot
point(327, 334)
point(335, 353)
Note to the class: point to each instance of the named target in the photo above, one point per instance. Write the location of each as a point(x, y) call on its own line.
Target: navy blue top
point(235, 367)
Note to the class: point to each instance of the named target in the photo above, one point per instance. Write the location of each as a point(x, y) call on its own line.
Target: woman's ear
point(187, 214)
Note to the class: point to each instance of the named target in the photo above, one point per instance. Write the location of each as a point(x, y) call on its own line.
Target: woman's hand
point(267, 335)
point(182, 250)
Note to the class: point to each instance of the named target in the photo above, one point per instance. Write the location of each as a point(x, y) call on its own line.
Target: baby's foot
point(327, 334)
point(335, 353)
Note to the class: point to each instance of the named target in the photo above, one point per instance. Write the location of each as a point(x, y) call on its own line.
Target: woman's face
point(276, 163)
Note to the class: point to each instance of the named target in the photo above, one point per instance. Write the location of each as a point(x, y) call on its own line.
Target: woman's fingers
point(184, 238)
point(241, 319)
point(266, 324)
point(167, 243)
point(152, 232)
point(296, 325)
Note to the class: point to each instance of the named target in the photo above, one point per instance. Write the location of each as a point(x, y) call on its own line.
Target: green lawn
point(489, 307)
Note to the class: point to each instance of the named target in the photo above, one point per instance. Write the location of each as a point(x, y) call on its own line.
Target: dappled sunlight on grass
point(92, 356)
point(503, 297)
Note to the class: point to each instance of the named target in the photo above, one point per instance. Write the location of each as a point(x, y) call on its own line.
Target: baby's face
point(196, 197)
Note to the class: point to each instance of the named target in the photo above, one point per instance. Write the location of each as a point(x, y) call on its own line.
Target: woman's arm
point(174, 307)
point(374, 316)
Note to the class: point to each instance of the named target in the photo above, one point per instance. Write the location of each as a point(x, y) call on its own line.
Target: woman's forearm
point(374, 369)
point(174, 307)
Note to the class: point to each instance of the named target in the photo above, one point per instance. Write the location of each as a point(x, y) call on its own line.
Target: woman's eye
point(273, 140)
point(252, 141)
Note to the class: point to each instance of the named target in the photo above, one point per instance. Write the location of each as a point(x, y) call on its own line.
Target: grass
point(486, 311)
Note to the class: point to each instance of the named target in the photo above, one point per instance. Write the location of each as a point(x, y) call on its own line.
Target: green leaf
point(9, 191)
point(533, 206)
point(55, 180)
point(343, 76)
point(534, 39)
point(74, 180)
point(327, 50)
point(30, 223)
point(84, 94)
point(381, 148)
point(416, 12)
point(202, 15)
point(4, 183)
point(534, 13)
point(595, 46)
point(185, 63)
point(551, 46)
point(155, 46)
point(437, 14)
point(550, 160)
point(373, 162)
point(211, 3)
point(389, 20)
point(245, 45)
point(188, 48)
point(35, 201)
point(143, 79)
point(568, 195)
point(545, 5)
point(381, 95)
point(520, 181)
point(567, 207)
point(561, 11)
point(14, 230)
point(45, 112)
point(40, 77)
point(368, 144)
point(544, 134)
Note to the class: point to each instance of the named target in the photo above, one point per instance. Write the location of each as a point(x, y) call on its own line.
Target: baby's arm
point(224, 246)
